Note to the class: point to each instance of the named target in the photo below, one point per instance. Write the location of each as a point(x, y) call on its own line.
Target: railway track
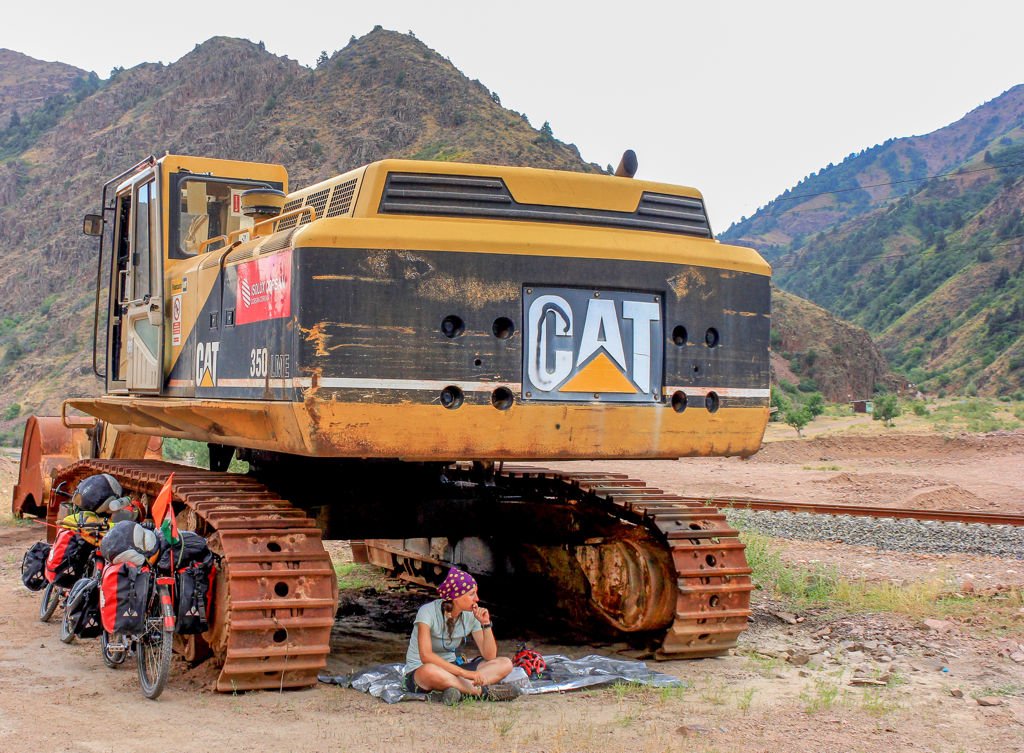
point(944, 516)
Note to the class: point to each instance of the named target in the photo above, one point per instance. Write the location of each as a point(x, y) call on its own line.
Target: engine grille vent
point(290, 221)
point(470, 196)
point(318, 201)
point(341, 199)
point(277, 241)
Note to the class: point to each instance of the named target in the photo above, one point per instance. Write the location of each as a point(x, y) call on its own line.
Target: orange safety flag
point(163, 513)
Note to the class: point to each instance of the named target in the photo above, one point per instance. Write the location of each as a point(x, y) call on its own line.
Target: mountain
point(814, 351)
point(26, 84)
point(382, 95)
point(930, 266)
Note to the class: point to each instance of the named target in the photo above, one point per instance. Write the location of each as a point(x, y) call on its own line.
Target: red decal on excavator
point(264, 289)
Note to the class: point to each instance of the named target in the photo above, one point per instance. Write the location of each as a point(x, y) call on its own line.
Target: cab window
point(145, 227)
point(204, 208)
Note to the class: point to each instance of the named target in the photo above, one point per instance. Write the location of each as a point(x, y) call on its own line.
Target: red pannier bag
point(68, 558)
point(123, 593)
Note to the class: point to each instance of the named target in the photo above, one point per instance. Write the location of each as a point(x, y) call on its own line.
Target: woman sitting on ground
point(435, 660)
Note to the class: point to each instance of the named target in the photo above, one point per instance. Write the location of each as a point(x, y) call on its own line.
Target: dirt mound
point(875, 488)
point(946, 498)
point(894, 445)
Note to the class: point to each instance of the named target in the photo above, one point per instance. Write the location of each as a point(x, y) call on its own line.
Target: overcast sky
point(740, 99)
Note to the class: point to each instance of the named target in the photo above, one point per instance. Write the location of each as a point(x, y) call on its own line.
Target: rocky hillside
point(26, 84)
point(382, 95)
point(812, 350)
point(932, 268)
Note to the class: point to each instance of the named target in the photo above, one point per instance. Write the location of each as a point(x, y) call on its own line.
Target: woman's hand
point(473, 677)
point(482, 614)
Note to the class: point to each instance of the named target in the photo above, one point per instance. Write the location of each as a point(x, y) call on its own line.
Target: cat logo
point(592, 344)
point(206, 364)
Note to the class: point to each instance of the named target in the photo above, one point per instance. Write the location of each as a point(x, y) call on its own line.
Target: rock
point(868, 682)
point(938, 626)
point(799, 660)
point(956, 693)
point(822, 633)
point(870, 645)
point(884, 658)
point(804, 673)
point(1017, 656)
point(967, 587)
point(693, 729)
point(990, 700)
point(788, 617)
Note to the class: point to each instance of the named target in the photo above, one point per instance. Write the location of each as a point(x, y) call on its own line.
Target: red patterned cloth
point(455, 584)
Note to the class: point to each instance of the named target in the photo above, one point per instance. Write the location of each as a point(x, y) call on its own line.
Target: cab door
point(142, 311)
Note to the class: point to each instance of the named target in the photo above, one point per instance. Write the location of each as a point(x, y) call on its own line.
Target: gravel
point(905, 535)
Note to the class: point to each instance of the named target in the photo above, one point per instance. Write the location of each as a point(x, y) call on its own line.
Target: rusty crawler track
point(711, 578)
point(946, 516)
point(277, 591)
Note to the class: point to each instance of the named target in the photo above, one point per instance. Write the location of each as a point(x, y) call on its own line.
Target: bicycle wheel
point(51, 598)
point(113, 658)
point(66, 634)
point(156, 644)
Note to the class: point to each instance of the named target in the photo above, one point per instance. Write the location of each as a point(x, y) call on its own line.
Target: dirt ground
point(865, 682)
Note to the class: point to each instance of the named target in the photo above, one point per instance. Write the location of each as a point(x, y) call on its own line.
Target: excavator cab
point(160, 214)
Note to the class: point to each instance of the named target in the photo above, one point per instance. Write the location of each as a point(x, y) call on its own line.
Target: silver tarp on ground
point(385, 681)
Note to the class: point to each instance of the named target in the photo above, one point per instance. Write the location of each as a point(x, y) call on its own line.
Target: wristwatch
point(486, 627)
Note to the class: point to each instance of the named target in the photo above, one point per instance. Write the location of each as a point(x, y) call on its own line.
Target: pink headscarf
point(455, 584)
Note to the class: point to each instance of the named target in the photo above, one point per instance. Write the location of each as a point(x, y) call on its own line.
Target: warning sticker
point(176, 320)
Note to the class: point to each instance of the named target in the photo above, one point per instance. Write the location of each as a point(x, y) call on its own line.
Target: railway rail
point(944, 516)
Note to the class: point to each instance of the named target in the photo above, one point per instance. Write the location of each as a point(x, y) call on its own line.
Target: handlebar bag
point(123, 593)
point(33, 566)
point(84, 608)
point(68, 558)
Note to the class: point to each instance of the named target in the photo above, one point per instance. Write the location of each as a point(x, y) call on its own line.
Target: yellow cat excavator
point(392, 351)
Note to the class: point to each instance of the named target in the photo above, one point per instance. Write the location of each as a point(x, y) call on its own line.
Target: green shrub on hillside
point(886, 409)
point(918, 408)
point(798, 417)
point(975, 415)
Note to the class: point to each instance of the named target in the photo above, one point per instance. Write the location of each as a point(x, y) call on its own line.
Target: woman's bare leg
point(430, 677)
point(494, 670)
